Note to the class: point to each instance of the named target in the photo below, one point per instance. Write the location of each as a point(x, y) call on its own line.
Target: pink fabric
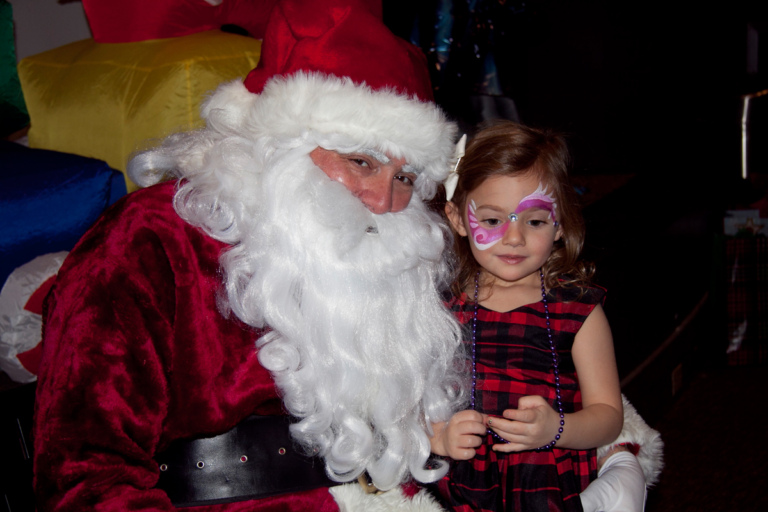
point(137, 355)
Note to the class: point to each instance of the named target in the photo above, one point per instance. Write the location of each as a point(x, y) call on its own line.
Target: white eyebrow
point(411, 169)
point(378, 155)
point(384, 159)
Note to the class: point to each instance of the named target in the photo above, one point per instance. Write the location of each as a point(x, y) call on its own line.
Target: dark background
point(633, 83)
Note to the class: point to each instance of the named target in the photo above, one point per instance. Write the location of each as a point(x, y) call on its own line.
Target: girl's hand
point(458, 437)
point(532, 425)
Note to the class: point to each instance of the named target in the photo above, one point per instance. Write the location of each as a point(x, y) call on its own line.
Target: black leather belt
point(254, 460)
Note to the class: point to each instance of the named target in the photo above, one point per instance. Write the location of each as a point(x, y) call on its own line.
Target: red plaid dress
point(514, 360)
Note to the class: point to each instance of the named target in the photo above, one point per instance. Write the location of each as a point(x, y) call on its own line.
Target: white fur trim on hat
point(339, 114)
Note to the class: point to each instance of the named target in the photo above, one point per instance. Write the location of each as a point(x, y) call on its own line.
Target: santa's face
point(384, 184)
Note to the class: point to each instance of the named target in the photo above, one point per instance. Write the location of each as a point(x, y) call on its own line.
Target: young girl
point(545, 389)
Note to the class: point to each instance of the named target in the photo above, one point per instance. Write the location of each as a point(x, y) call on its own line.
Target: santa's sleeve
point(102, 391)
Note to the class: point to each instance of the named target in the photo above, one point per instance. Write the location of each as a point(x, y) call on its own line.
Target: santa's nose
point(378, 194)
point(386, 190)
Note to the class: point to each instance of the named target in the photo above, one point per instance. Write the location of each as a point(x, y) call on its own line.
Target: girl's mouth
point(511, 259)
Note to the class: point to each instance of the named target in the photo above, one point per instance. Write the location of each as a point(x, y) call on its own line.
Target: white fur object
point(352, 498)
point(21, 330)
point(637, 431)
point(362, 348)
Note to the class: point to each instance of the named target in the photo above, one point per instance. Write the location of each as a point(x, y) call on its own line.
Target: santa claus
point(297, 196)
point(286, 266)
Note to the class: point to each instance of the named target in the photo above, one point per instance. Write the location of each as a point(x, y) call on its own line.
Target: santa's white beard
point(361, 347)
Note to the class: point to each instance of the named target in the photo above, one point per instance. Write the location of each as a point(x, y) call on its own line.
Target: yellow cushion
point(105, 100)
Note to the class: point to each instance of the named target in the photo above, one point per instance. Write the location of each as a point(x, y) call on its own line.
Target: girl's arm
point(599, 422)
point(458, 437)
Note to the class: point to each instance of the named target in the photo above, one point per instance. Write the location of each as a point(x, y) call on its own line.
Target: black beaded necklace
point(558, 399)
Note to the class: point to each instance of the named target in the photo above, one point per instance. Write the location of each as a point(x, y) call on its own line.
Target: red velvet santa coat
point(137, 355)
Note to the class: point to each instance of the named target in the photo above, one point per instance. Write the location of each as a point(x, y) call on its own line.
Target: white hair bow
point(453, 177)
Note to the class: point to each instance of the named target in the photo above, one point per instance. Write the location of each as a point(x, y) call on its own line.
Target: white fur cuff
point(637, 431)
point(352, 498)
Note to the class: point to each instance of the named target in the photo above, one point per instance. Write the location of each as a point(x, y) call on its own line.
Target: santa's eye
point(360, 162)
point(406, 179)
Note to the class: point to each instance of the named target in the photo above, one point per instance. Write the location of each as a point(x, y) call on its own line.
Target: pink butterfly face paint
point(482, 237)
point(486, 237)
point(539, 199)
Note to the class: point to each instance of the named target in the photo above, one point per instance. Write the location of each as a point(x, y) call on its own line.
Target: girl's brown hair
point(509, 149)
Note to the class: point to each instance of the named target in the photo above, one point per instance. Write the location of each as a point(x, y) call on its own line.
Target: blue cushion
point(48, 200)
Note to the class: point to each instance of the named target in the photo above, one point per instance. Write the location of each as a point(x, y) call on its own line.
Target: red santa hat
point(332, 68)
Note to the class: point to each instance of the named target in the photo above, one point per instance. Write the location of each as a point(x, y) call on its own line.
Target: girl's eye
point(538, 223)
point(492, 222)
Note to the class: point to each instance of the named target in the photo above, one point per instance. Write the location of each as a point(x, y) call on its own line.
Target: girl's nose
point(514, 235)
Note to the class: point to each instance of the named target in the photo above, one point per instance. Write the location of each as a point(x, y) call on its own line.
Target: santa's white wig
point(361, 347)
